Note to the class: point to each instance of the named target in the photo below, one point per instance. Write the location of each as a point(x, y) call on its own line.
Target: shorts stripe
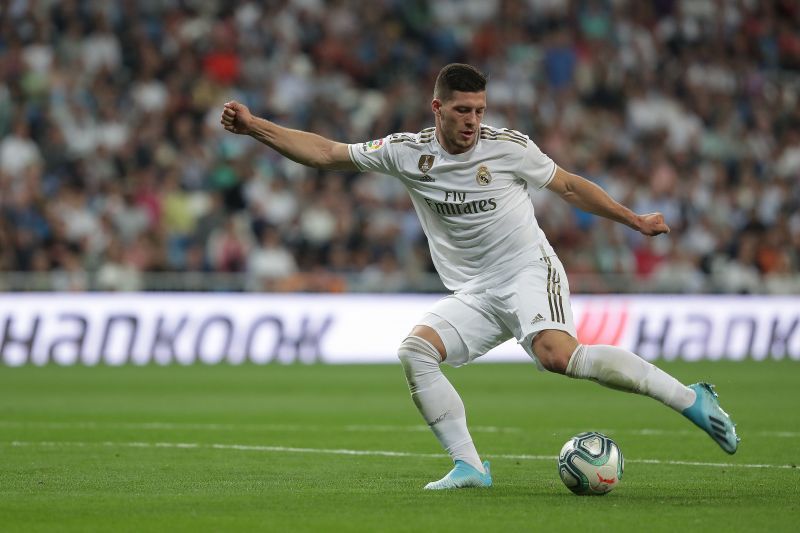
point(554, 297)
point(549, 288)
point(560, 302)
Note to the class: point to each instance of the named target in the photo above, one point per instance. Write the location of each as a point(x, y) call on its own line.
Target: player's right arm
point(302, 147)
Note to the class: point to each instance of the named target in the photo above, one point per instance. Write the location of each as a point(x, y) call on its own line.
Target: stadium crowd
point(113, 166)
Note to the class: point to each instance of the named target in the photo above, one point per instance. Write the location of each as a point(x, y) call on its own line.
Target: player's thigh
point(466, 327)
point(538, 299)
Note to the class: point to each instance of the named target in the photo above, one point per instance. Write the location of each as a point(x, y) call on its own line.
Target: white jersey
point(474, 207)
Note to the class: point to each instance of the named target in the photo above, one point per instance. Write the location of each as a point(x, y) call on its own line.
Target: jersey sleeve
point(377, 156)
point(536, 167)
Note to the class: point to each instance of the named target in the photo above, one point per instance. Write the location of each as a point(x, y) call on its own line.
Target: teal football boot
point(706, 413)
point(463, 475)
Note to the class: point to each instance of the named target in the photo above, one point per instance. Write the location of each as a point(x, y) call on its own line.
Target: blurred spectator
point(115, 274)
point(269, 262)
point(113, 167)
point(18, 150)
point(229, 246)
point(68, 274)
point(680, 272)
point(738, 274)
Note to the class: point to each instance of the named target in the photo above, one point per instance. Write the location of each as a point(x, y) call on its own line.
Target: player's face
point(458, 120)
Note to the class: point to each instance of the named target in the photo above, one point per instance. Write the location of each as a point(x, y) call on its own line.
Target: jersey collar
point(455, 157)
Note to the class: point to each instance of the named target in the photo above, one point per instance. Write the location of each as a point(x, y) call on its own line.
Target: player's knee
point(415, 350)
point(553, 349)
point(553, 362)
point(430, 335)
point(419, 359)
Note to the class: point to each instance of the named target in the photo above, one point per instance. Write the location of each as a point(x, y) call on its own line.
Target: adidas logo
point(537, 318)
point(427, 178)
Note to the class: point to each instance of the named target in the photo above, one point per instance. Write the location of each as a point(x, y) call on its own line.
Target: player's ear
point(436, 106)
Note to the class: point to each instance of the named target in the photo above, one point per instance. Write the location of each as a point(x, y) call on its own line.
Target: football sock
point(620, 369)
point(437, 400)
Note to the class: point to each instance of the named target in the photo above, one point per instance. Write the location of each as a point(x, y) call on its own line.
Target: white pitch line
point(334, 451)
point(355, 428)
point(421, 428)
point(369, 453)
point(664, 462)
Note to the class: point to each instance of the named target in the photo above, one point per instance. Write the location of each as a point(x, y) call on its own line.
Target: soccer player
point(469, 185)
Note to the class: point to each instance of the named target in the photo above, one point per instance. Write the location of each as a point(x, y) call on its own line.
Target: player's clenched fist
point(236, 118)
point(653, 224)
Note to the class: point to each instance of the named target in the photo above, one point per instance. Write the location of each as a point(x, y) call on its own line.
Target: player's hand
point(652, 224)
point(236, 118)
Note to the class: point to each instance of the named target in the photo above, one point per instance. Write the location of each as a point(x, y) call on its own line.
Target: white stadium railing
point(57, 281)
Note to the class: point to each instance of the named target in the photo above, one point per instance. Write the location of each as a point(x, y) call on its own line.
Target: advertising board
point(211, 328)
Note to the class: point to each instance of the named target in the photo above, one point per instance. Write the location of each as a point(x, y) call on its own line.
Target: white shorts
point(471, 324)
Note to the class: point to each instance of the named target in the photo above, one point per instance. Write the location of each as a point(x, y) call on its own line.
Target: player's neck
point(451, 148)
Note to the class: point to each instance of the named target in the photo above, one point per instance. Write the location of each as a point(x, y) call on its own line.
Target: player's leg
point(441, 407)
point(542, 292)
point(430, 343)
point(623, 370)
point(611, 366)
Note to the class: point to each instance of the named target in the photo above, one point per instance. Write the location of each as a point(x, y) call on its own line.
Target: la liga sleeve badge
point(371, 146)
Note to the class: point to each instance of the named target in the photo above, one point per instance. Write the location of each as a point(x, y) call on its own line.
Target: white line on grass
point(391, 429)
point(240, 427)
point(355, 428)
point(371, 453)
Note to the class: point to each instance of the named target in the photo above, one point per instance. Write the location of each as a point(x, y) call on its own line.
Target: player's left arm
point(589, 197)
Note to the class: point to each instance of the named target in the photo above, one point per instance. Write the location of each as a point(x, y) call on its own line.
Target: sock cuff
point(575, 367)
point(418, 345)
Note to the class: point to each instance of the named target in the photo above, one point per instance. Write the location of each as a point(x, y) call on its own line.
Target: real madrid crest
point(484, 177)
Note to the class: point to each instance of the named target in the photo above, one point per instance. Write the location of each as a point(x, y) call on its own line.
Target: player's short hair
point(458, 77)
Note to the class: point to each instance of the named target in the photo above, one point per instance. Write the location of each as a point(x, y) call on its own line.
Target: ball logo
point(609, 481)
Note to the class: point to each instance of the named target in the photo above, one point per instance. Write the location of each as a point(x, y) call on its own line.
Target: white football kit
point(483, 236)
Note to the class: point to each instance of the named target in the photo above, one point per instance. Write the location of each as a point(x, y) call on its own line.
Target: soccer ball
point(590, 464)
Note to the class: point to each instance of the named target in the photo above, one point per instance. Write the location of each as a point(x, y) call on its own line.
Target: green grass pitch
point(342, 448)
